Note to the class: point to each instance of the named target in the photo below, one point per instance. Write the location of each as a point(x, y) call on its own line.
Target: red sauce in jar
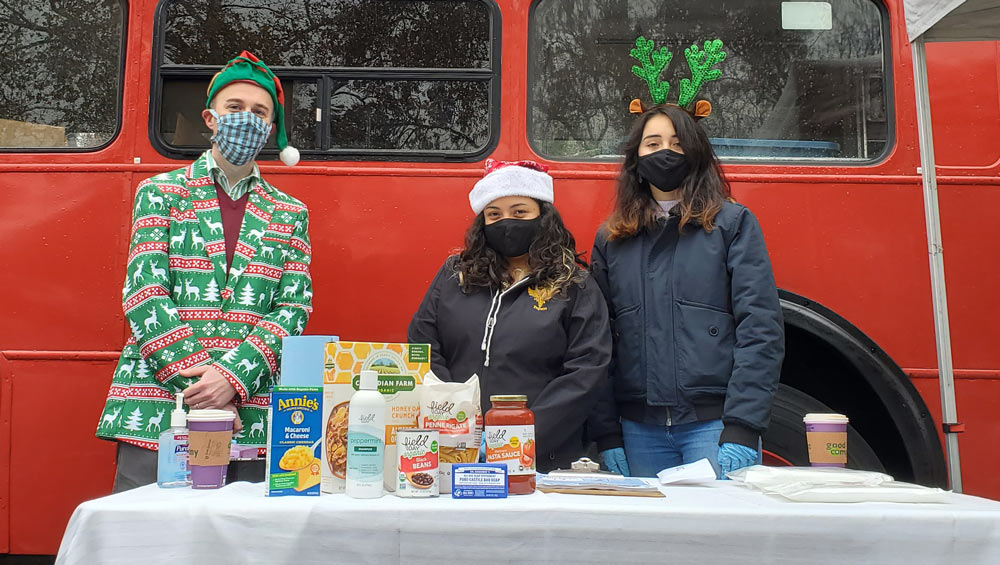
point(510, 439)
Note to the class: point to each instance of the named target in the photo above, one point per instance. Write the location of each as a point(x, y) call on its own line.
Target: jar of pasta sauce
point(510, 439)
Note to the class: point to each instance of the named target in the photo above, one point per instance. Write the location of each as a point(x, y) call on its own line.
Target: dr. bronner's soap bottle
point(366, 439)
point(172, 457)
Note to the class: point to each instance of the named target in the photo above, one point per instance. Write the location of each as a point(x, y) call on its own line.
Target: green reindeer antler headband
point(653, 61)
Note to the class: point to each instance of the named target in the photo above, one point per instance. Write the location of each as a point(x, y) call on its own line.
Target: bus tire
point(831, 360)
point(786, 434)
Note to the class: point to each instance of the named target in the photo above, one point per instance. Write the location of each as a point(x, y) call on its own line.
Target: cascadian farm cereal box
point(401, 368)
point(296, 419)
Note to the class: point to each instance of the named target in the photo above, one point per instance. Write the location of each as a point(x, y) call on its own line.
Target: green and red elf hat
point(248, 68)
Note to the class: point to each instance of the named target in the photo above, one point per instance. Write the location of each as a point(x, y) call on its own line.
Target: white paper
point(697, 473)
point(806, 15)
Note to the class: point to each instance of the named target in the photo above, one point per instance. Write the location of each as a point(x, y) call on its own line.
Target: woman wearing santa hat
point(517, 307)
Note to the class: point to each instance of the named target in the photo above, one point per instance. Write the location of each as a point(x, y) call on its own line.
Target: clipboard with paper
point(585, 477)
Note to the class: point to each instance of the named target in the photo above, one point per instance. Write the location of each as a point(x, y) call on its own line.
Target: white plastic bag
point(833, 484)
point(888, 492)
point(761, 477)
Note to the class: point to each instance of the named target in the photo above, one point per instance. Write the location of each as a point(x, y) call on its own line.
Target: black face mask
point(511, 237)
point(664, 169)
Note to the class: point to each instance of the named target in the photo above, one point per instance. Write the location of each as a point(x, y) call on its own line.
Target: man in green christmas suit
point(218, 273)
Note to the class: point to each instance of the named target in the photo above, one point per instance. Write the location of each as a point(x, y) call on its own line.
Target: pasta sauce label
point(513, 446)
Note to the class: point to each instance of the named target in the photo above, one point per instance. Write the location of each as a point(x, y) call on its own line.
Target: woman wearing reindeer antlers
point(697, 327)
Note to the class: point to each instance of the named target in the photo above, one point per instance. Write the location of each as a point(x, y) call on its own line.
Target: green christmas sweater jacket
point(185, 310)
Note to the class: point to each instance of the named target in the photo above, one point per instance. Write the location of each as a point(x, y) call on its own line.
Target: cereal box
point(294, 434)
point(401, 369)
point(302, 359)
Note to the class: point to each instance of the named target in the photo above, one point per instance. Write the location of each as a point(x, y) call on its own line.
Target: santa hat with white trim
point(511, 178)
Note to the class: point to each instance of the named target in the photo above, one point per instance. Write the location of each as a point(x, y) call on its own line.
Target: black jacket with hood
point(697, 326)
point(554, 349)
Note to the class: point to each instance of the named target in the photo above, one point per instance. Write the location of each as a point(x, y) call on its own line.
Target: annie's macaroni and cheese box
point(401, 368)
point(296, 419)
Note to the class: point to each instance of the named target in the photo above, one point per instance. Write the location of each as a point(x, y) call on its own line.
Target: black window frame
point(120, 103)
point(888, 86)
point(323, 76)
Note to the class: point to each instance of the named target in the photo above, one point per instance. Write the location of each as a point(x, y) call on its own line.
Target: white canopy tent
point(953, 20)
point(942, 20)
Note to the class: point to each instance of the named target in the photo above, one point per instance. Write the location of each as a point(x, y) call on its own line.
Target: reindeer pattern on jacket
point(186, 310)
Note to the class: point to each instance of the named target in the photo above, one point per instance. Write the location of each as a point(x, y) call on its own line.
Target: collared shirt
point(238, 190)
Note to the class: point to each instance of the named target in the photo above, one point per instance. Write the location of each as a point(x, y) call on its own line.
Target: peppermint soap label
point(366, 439)
point(366, 449)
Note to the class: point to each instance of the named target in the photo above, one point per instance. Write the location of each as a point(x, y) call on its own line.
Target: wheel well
point(831, 360)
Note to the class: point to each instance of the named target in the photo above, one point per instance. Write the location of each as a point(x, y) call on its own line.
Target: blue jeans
point(651, 449)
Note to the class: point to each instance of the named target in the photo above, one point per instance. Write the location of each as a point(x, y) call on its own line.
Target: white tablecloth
point(723, 523)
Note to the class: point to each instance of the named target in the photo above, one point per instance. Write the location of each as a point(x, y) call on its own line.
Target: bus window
point(418, 81)
point(61, 74)
point(430, 116)
point(802, 80)
point(183, 99)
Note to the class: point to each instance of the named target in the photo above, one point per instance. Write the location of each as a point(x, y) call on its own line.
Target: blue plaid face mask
point(240, 136)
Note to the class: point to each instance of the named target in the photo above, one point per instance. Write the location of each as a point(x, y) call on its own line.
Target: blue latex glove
point(733, 457)
point(614, 459)
point(482, 450)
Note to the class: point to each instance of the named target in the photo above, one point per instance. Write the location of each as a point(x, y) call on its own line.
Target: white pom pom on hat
point(511, 178)
point(289, 156)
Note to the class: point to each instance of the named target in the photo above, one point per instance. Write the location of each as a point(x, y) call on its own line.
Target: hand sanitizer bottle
point(172, 457)
point(366, 439)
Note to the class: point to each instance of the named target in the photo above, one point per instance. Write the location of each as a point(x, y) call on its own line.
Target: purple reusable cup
point(219, 425)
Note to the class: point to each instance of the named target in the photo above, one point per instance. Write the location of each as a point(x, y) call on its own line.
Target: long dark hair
point(703, 190)
point(553, 258)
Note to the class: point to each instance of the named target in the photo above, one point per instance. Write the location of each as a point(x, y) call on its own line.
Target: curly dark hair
point(703, 191)
point(553, 257)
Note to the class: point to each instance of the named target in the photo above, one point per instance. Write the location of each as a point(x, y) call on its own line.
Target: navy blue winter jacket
point(698, 331)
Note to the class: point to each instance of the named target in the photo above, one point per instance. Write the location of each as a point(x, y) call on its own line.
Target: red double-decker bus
point(395, 105)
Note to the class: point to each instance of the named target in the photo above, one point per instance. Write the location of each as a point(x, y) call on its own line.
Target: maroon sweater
point(232, 221)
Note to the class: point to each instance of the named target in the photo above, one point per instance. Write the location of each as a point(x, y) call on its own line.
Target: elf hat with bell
point(248, 68)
